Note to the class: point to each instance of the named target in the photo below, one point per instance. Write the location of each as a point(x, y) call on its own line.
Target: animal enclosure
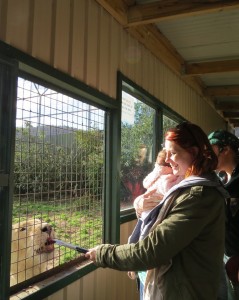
point(58, 177)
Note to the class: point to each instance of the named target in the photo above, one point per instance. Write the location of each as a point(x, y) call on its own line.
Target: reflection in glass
point(136, 147)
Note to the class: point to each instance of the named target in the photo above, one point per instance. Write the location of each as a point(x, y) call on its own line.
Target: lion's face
point(31, 247)
point(33, 235)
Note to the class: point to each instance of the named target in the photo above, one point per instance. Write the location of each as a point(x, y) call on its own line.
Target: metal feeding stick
point(68, 245)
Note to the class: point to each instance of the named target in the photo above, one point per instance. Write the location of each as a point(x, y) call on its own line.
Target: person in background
point(226, 147)
point(186, 227)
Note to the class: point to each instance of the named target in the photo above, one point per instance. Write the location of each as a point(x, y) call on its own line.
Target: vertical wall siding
point(39, 50)
point(78, 46)
point(114, 56)
point(104, 52)
point(62, 35)
point(103, 284)
point(82, 39)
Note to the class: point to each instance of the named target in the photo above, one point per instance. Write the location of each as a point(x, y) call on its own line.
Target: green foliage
point(168, 123)
point(137, 141)
point(67, 165)
point(133, 137)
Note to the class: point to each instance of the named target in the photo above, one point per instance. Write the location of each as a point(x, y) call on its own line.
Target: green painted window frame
point(16, 64)
point(161, 110)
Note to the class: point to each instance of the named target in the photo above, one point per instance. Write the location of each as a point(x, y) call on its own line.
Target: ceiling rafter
point(235, 121)
point(236, 124)
point(129, 2)
point(211, 67)
point(231, 114)
point(222, 91)
point(150, 36)
point(230, 107)
point(171, 9)
point(117, 8)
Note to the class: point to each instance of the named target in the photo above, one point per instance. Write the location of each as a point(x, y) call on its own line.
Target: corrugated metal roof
point(230, 78)
point(206, 37)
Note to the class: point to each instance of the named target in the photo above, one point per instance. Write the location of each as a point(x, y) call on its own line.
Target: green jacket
point(191, 235)
point(232, 225)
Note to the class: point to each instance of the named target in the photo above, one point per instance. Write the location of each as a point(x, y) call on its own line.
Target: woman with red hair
point(185, 231)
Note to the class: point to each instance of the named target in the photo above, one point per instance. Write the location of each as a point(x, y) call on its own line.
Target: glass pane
point(168, 123)
point(136, 147)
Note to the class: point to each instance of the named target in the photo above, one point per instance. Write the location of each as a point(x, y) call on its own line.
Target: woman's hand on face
point(146, 201)
point(91, 254)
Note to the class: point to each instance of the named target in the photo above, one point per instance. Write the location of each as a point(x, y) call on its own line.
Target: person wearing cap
point(226, 147)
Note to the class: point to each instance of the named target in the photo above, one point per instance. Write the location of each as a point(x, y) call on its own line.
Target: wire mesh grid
point(58, 179)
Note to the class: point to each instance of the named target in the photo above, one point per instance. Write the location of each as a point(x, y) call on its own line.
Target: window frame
point(8, 91)
point(127, 85)
point(21, 64)
point(32, 69)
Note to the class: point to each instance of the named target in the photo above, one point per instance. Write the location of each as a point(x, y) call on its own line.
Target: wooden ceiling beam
point(129, 2)
point(211, 67)
point(229, 107)
point(231, 114)
point(117, 8)
point(235, 122)
point(172, 9)
point(222, 91)
point(153, 40)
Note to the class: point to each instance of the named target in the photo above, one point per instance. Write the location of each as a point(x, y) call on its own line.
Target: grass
point(71, 219)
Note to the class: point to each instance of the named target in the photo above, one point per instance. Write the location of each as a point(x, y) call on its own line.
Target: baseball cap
point(223, 138)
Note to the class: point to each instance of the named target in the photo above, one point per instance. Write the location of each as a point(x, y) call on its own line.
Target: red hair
point(188, 136)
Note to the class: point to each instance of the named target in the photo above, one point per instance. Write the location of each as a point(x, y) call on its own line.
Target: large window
point(60, 169)
point(137, 140)
point(144, 121)
point(59, 181)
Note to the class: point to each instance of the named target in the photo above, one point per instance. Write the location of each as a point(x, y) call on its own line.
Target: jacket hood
point(204, 180)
